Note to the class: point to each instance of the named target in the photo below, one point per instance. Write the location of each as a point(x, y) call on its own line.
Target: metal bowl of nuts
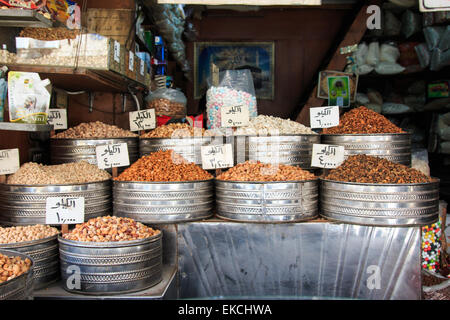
point(44, 253)
point(409, 204)
point(115, 267)
point(163, 202)
point(22, 204)
point(18, 283)
point(395, 147)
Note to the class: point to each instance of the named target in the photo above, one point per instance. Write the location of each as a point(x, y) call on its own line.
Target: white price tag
point(117, 51)
point(64, 210)
point(324, 117)
point(217, 156)
point(142, 67)
point(112, 155)
point(131, 61)
point(9, 161)
point(58, 118)
point(327, 156)
point(234, 116)
point(142, 120)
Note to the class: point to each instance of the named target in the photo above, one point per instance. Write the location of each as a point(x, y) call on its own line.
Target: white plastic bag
point(388, 68)
point(389, 53)
point(361, 53)
point(373, 54)
point(362, 98)
point(364, 69)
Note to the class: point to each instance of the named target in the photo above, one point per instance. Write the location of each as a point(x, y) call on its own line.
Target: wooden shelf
point(23, 18)
point(12, 126)
point(81, 79)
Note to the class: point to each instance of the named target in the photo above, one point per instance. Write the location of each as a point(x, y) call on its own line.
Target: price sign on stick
point(327, 156)
point(142, 120)
point(9, 161)
point(58, 118)
point(217, 156)
point(112, 155)
point(64, 210)
point(234, 116)
point(324, 117)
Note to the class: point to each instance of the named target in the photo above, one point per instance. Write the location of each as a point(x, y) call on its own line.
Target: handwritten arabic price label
point(324, 117)
point(142, 120)
point(327, 156)
point(217, 156)
point(117, 51)
point(58, 118)
point(131, 61)
point(112, 155)
point(9, 161)
point(234, 116)
point(64, 210)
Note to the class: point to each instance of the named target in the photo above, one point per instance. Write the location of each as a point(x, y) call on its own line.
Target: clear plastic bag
point(361, 53)
point(388, 68)
point(433, 36)
point(444, 44)
point(423, 55)
point(389, 53)
point(396, 108)
point(410, 23)
point(167, 102)
point(439, 59)
point(392, 26)
point(419, 161)
point(373, 54)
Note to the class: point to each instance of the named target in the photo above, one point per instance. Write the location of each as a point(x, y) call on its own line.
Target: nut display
point(257, 171)
point(49, 34)
point(167, 107)
point(363, 121)
point(26, 233)
point(163, 166)
point(110, 228)
point(368, 169)
point(269, 125)
point(12, 267)
point(174, 130)
point(31, 173)
point(95, 129)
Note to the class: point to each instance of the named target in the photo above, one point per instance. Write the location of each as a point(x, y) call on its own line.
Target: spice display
point(67, 173)
point(95, 129)
point(428, 280)
point(269, 125)
point(257, 171)
point(26, 233)
point(431, 246)
point(12, 267)
point(368, 169)
point(363, 121)
point(167, 108)
point(110, 228)
point(163, 166)
point(174, 130)
point(49, 34)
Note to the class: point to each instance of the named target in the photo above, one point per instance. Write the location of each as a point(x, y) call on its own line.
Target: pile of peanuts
point(363, 121)
point(26, 233)
point(12, 267)
point(49, 34)
point(174, 130)
point(269, 125)
point(166, 107)
point(67, 173)
point(110, 228)
point(95, 129)
point(368, 169)
point(163, 166)
point(257, 171)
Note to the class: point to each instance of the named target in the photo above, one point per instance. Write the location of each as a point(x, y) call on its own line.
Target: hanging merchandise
point(167, 102)
point(24, 4)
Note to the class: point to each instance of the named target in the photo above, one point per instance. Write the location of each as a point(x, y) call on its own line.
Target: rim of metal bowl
point(162, 182)
point(28, 243)
point(54, 185)
point(266, 182)
point(365, 134)
point(110, 244)
point(95, 139)
point(236, 135)
point(11, 253)
point(435, 180)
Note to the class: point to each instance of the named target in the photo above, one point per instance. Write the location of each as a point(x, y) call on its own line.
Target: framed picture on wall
point(256, 56)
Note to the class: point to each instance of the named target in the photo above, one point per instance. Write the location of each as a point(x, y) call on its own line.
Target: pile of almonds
point(257, 171)
point(12, 267)
point(26, 233)
point(110, 228)
point(95, 129)
point(174, 130)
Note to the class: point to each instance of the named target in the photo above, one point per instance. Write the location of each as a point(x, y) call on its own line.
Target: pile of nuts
point(95, 129)
point(269, 125)
point(166, 107)
point(257, 171)
point(110, 228)
point(174, 130)
point(363, 121)
point(26, 233)
point(368, 169)
point(163, 166)
point(49, 34)
point(12, 267)
point(67, 173)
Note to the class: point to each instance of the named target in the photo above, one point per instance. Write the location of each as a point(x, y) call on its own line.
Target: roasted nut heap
point(95, 129)
point(26, 233)
point(163, 166)
point(67, 173)
point(49, 34)
point(268, 125)
point(12, 267)
point(110, 228)
point(257, 171)
point(368, 169)
point(165, 107)
point(174, 130)
point(363, 121)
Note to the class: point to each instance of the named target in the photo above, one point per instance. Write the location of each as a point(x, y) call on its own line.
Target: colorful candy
point(431, 246)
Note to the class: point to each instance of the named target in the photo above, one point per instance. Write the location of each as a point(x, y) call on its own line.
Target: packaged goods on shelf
point(167, 102)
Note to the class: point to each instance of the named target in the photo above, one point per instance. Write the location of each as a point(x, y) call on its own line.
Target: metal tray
point(395, 147)
point(26, 204)
point(110, 267)
point(267, 201)
point(391, 205)
point(44, 253)
point(163, 202)
point(21, 287)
